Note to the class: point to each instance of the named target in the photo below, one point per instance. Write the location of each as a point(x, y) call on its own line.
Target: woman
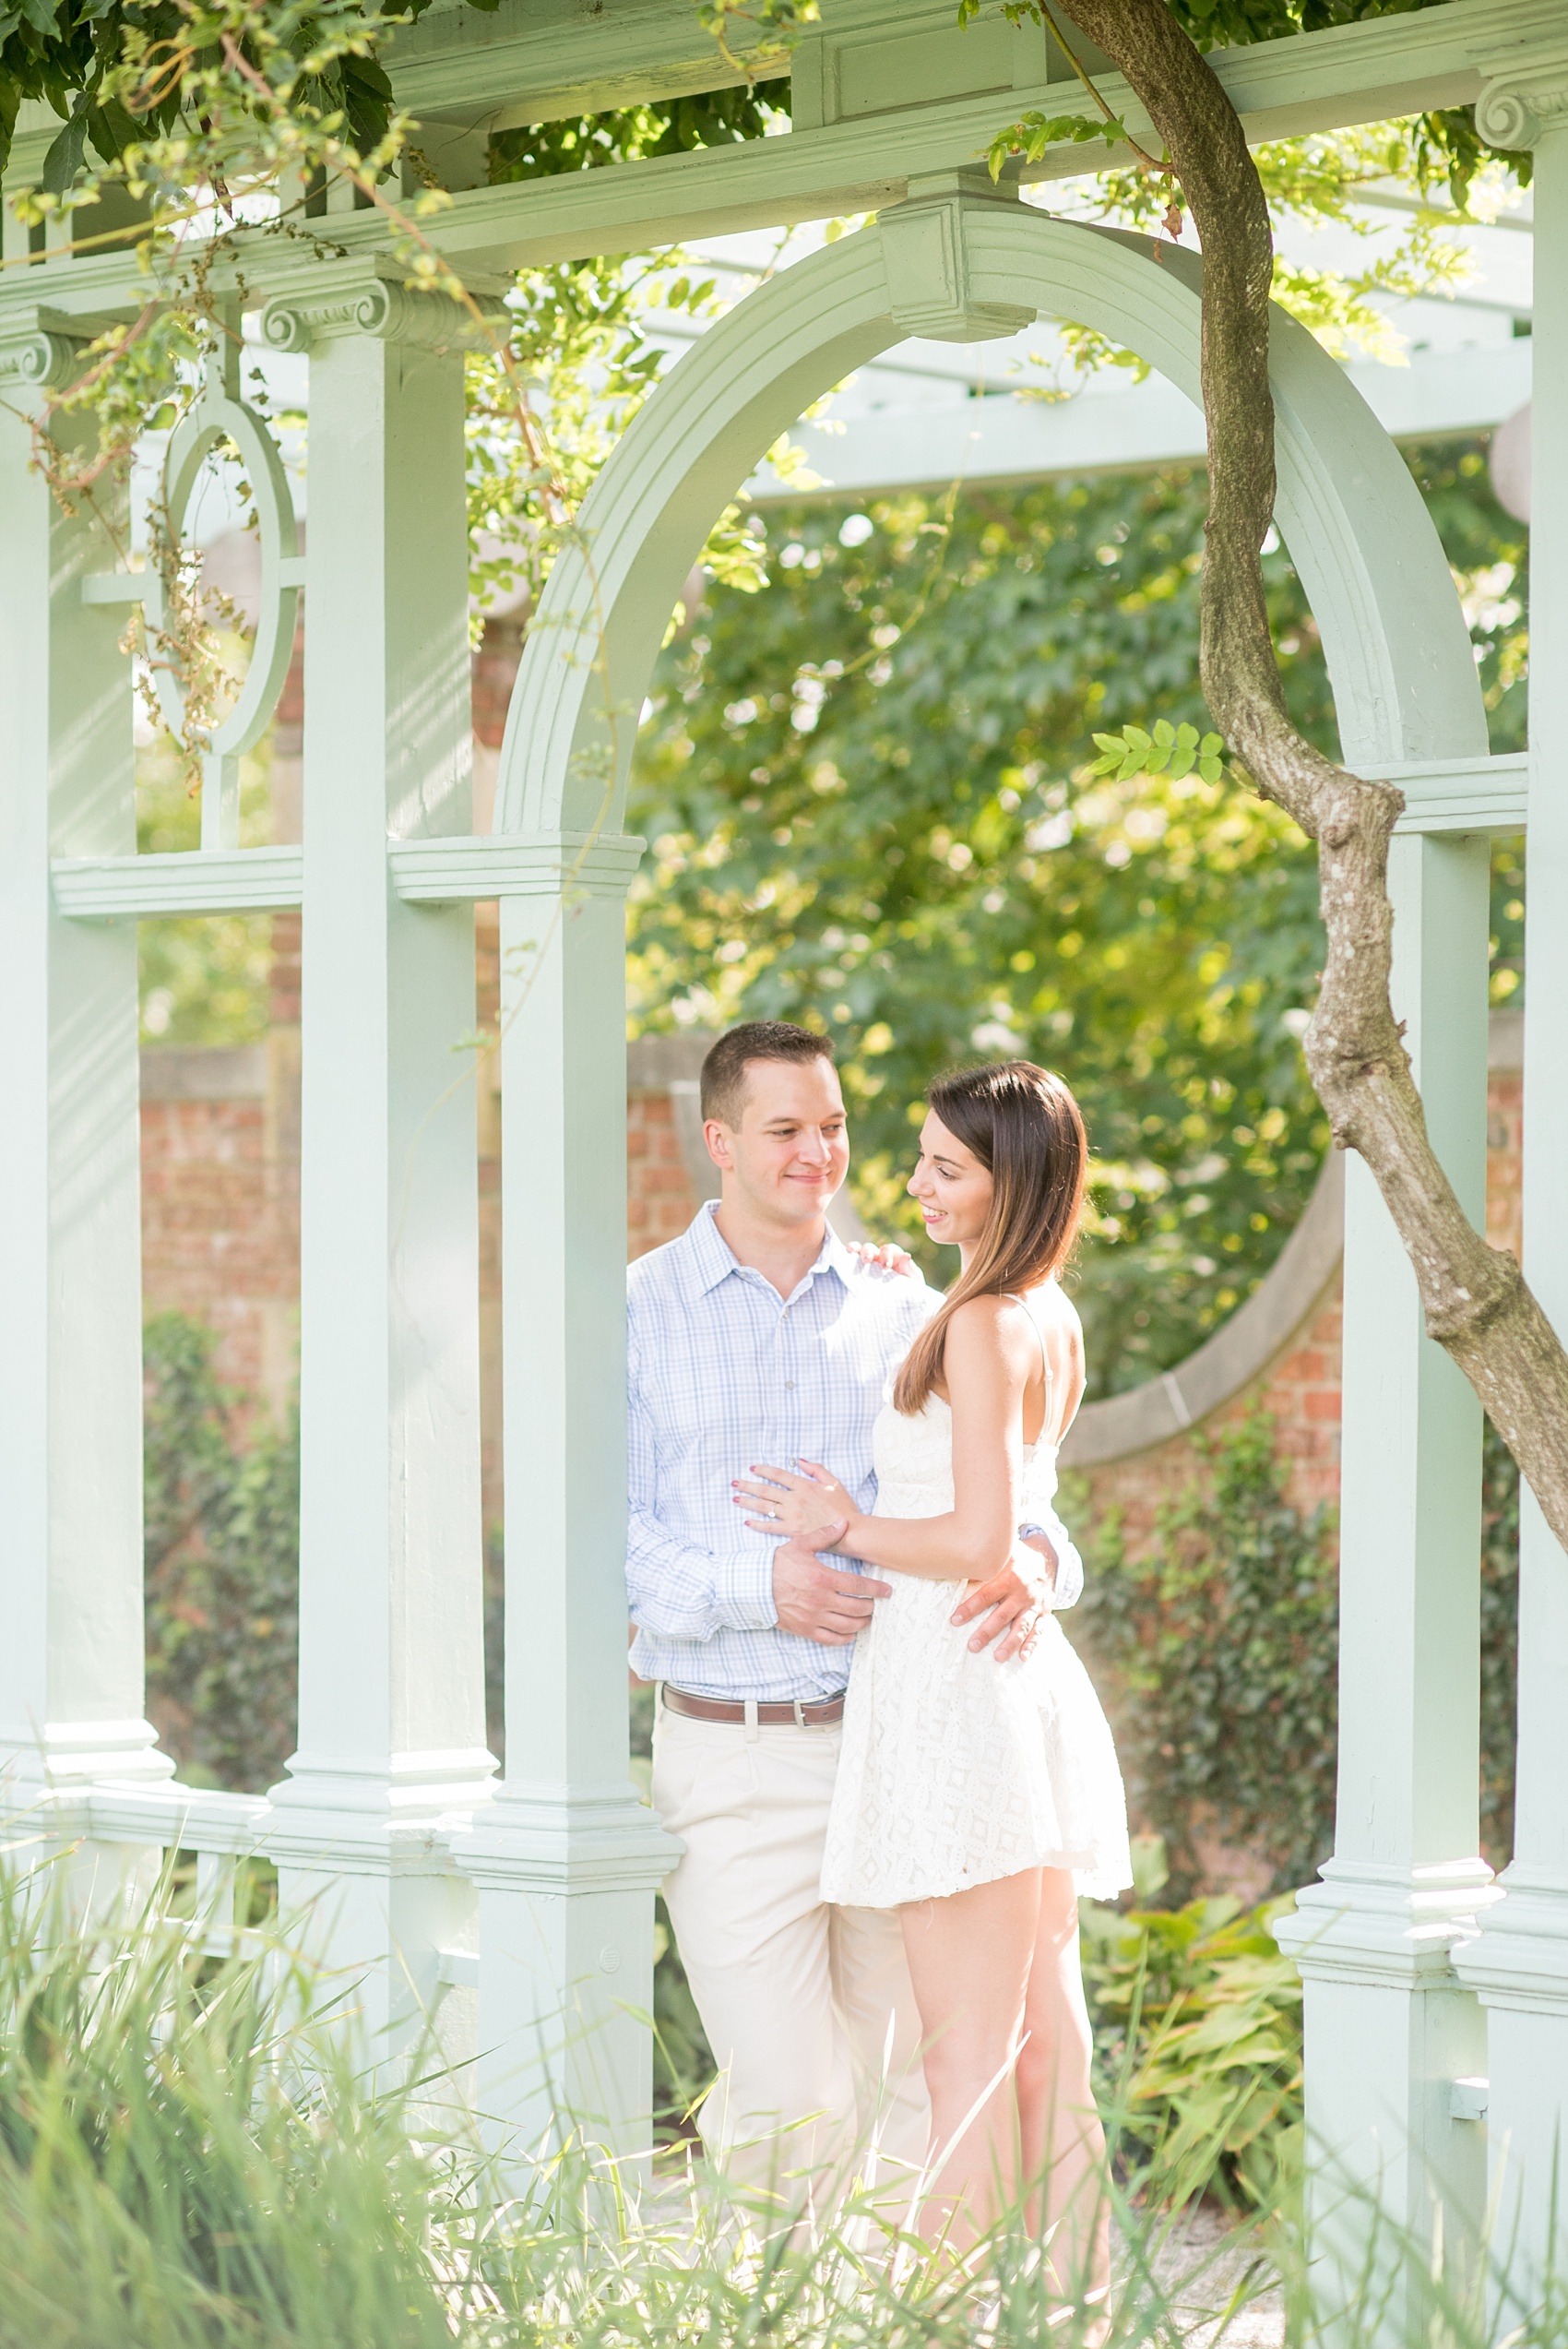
point(979, 1798)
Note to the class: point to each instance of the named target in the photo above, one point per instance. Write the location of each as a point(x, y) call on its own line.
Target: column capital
point(39, 347)
point(371, 296)
point(1524, 90)
point(925, 251)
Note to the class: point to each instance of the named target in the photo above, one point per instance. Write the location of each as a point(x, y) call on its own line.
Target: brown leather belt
point(804, 1712)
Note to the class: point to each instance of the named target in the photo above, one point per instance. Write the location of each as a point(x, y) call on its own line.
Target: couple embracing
point(889, 1770)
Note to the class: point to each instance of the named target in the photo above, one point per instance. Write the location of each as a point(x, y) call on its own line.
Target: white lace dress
point(956, 1769)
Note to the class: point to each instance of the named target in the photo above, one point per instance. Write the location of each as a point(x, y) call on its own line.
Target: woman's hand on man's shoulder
point(885, 1256)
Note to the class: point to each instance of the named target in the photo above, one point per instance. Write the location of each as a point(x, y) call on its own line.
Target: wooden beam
point(137, 888)
point(1354, 73)
point(539, 60)
point(555, 59)
point(863, 162)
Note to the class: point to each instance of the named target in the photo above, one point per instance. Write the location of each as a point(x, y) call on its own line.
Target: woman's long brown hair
point(1024, 1128)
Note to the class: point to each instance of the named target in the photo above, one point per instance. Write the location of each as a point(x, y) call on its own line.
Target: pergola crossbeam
point(1461, 796)
point(860, 162)
point(241, 880)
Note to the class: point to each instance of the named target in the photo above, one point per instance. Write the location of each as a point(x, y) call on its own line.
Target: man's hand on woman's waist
point(821, 1603)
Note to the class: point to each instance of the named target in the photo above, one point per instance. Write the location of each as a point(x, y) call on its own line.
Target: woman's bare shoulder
point(1056, 1309)
point(1062, 1331)
point(983, 1316)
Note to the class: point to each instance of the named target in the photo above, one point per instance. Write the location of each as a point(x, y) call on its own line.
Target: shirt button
point(790, 1386)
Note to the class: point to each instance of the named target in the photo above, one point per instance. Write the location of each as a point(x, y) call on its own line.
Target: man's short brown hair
point(724, 1070)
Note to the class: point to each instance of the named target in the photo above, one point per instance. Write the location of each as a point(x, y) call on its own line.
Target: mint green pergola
point(520, 1913)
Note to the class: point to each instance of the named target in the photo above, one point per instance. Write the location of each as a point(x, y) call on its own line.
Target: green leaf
point(1033, 133)
point(66, 153)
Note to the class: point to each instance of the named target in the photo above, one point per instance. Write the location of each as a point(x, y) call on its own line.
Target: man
point(759, 1336)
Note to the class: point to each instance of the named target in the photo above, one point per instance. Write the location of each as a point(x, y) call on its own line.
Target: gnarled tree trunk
point(1475, 1298)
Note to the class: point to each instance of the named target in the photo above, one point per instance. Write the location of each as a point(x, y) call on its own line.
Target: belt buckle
point(801, 1721)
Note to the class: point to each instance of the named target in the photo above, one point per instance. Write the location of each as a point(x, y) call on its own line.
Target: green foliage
point(222, 1547)
point(1325, 176)
point(870, 809)
point(865, 797)
point(1219, 1635)
point(633, 134)
point(202, 981)
point(173, 2135)
point(1443, 145)
point(754, 36)
point(1198, 2021)
point(1033, 133)
point(1176, 751)
point(123, 70)
point(1222, 1641)
point(189, 2158)
point(578, 335)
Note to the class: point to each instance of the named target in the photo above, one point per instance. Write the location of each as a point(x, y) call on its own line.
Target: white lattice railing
point(221, 1829)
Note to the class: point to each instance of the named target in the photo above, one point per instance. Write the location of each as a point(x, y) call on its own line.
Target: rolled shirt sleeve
point(1068, 1588)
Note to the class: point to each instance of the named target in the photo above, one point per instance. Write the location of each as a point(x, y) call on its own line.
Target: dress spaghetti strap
point(1013, 1297)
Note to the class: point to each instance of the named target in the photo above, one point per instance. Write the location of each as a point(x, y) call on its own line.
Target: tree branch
point(1473, 1296)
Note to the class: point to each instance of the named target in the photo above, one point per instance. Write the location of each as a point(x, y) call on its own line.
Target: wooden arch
point(965, 266)
point(961, 263)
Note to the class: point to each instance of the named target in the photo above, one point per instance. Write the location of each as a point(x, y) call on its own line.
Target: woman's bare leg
point(1061, 2139)
point(971, 1959)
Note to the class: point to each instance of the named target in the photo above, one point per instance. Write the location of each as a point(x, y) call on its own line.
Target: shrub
point(1219, 1643)
point(1221, 1640)
point(222, 1568)
point(1197, 2020)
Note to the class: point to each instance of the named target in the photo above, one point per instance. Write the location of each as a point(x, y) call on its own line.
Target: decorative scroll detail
point(222, 415)
point(369, 297)
point(1525, 96)
point(39, 349)
point(928, 267)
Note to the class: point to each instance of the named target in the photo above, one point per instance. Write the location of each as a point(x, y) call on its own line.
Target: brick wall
point(1301, 1389)
point(220, 1227)
point(221, 1233)
point(660, 1202)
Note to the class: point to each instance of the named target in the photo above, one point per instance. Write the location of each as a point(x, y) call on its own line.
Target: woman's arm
point(992, 1355)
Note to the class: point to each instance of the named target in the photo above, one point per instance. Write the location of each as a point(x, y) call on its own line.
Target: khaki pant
point(796, 1996)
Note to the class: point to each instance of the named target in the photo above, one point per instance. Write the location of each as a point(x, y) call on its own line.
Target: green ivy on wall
point(1219, 1640)
point(222, 1565)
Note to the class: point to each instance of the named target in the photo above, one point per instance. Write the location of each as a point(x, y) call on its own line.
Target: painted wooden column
point(1389, 2026)
point(71, 1663)
point(391, 1739)
point(567, 1856)
point(1520, 1964)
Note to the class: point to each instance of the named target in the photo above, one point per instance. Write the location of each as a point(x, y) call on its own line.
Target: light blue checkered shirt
point(725, 1375)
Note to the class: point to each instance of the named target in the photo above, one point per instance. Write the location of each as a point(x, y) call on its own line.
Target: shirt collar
point(713, 1259)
